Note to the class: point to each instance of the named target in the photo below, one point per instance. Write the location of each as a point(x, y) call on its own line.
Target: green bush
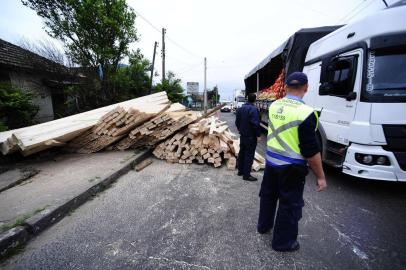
point(172, 86)
point(16, 107)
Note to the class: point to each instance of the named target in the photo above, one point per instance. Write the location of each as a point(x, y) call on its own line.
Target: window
point(338, 76)
point(240, 99)
point(387, 73)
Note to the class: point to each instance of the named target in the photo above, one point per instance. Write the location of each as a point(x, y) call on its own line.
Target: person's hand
point(259, 139)
point(321, 184)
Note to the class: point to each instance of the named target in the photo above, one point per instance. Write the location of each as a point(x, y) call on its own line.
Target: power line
point(167, 36)
point(365, 7)
point(147, 21)
point(189, 69)
point(353, 9)
point(306, 5)
point(183, 48)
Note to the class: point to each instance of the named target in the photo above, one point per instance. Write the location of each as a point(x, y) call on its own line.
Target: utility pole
point(163, 54)
point(152, 68)
point(205, 88)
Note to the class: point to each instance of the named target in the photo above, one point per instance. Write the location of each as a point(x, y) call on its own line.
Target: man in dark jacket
point(247, 122)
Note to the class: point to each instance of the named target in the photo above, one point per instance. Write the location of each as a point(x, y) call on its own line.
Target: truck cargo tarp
point(289, 55)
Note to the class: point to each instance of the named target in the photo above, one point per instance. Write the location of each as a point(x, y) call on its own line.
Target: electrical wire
point(356, 9)
point(365, 7)
point(167, 36)
point(190, 69)
point(353, 9)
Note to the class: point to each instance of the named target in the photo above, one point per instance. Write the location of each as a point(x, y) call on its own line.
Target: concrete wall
point(43, 99)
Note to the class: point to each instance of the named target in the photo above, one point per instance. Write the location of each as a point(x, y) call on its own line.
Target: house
point(32, 72)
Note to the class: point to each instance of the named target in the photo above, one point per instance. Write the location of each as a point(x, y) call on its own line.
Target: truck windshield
point(386, 75)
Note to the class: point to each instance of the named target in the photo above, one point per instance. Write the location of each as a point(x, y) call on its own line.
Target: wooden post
point(152, 68)
point(163, 54)
point(257, 82)
point(205, 86)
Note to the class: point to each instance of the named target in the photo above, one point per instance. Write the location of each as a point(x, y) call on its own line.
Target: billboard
point(192, 88)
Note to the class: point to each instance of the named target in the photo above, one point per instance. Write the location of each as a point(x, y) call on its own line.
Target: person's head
point(296, 84)
point(252, 97)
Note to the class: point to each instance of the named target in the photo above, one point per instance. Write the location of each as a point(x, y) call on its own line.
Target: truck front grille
point(396, 142)
point(401, 158)
point(395, 137)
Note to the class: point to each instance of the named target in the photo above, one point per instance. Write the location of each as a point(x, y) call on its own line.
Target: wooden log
point(143, 164)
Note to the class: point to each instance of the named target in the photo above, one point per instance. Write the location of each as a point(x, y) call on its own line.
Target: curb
point(16, 237)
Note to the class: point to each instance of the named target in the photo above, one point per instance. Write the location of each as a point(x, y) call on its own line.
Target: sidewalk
point(60, 186)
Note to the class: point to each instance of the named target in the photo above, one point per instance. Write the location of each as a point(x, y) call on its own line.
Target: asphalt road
point(196, 217)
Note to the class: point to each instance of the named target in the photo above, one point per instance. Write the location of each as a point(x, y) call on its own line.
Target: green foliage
point(133, 80)
point(21, 220)
point(16, 107)
point(95, 32)
point(3, 126)
point(213, 96)
point(172, 86)
point(129, 82)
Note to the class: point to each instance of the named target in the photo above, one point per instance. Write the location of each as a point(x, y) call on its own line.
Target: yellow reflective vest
point(285, 116)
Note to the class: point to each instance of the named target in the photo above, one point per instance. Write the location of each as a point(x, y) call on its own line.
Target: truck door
point(340, 84)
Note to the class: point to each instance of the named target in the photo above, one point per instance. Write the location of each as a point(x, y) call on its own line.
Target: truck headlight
point(382, 160)
point(367, 159)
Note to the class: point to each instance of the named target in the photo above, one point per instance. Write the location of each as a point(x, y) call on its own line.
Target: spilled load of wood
point(158, 128)
point(182, 136)
point(207, 141)
point(93, 130)
point(118, 128)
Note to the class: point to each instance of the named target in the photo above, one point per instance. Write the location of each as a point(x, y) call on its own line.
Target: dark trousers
point(286, 185)
point(246, 155)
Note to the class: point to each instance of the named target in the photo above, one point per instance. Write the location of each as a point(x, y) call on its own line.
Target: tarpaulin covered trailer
point(290, 55)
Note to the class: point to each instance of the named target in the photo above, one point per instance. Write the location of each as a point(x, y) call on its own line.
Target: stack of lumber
point(36, 138)
point(207, 141)
point(111, 128)
point(158, 128)
point(114, 126)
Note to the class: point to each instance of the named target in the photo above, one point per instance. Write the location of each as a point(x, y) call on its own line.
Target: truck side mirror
point(325, 89)
point(351, 96)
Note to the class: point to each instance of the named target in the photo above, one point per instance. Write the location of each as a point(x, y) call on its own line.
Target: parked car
point(226, 108)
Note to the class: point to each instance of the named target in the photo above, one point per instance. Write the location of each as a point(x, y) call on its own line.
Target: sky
point(233, 35)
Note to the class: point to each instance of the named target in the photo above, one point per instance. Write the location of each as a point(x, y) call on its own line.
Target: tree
point(216, 95)
point(172, 86)
point(213, 96)
point(47, 49)
point(16, 107)
point(133, 80)
point(94, 32)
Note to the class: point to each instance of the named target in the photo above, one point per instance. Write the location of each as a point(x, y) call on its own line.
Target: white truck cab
point(239, 99)
point(357, 81)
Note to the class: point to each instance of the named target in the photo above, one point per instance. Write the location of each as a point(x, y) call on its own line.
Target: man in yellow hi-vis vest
point(291, 145)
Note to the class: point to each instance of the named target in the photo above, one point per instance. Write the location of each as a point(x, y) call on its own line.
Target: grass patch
point(20, 220)
point(93, 179)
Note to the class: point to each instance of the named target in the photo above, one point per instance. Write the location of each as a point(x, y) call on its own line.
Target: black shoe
point(249, 178)
point(239, 173)
point(294, 247)
point(264, 231)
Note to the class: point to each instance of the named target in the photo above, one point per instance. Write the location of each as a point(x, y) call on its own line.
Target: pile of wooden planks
point(59, 132)
point(158, 128)
point(207, 141)
point(111, 127)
